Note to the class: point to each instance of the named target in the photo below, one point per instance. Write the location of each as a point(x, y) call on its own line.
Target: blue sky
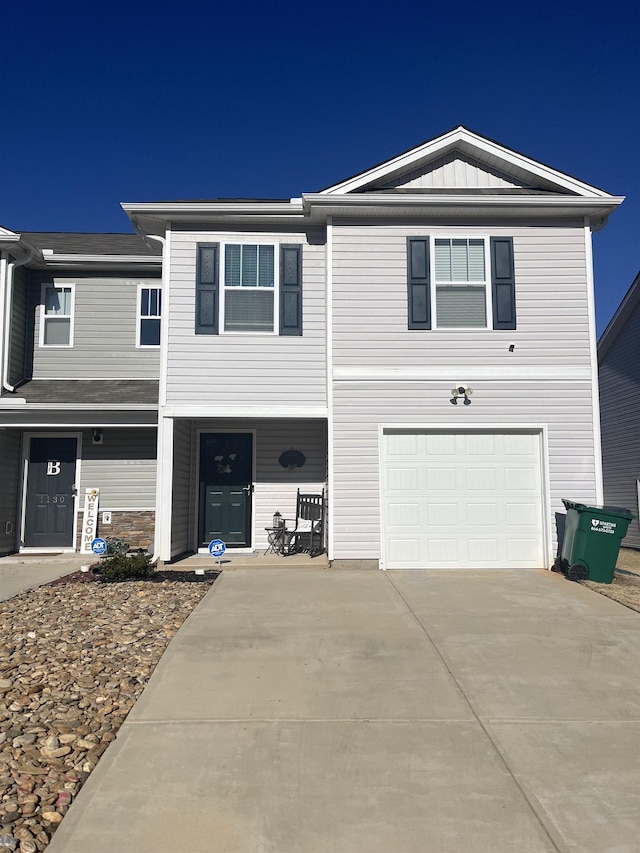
point(150, 101)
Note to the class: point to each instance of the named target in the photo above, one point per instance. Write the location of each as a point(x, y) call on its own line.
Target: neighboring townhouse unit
point(619, 360)
point(417, 340)
point(80, 334)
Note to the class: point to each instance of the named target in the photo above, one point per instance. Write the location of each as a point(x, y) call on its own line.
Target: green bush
point(116, 545)
point(120, 567)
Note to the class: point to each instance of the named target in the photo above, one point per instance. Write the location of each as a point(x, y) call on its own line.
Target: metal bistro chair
point(308, 534)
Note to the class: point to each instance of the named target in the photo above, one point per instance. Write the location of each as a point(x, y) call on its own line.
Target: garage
point(462, 499)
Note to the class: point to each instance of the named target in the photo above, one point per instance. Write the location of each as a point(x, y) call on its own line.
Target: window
point(149, 314)
point(250, 287)
point(461, 292)
point(56, 319)
point(461, 283)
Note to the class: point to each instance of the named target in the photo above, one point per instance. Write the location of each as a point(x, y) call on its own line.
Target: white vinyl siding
point(242, 369)
point(105, 332)
point(361, 407)
point(149, 316)
point(370, 303)
point(56, 318)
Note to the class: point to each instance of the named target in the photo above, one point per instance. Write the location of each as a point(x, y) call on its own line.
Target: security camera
point(97, 436)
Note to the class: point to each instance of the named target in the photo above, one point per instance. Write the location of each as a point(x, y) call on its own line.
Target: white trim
point(26, 447)
point(330, 401)
point(18, 424)
point(164, 492)
point(80, 407)
point(472, 372)
point(537, 429)
point(243, 412)
point(488, 278)
point(164, 327)
point(47, 285)
point(593, 350)
point(70, 259)
point(140, 317)
point(450, 141)
point(249, 240)
point(246, 549)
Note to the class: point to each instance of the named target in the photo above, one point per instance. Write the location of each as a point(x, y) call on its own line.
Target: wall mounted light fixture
point(461, 391)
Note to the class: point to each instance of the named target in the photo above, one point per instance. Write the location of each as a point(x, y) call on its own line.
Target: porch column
point(164, 482)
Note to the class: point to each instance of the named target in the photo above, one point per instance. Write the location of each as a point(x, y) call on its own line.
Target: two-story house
point(417, 340)
point(79, 356)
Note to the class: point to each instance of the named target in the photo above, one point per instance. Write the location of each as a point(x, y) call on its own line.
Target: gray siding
point(620, 417)
point(18, 325)
point(275, 487)
point(104, 340)
point(251, 369)
point(123, 467)
point(359, 409)
point(10, 455)
point(370, 302)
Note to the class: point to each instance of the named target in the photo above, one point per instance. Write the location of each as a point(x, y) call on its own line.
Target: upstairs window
point(252, 287)
point(460, 283)
point(56, 319)
point(149, 315)
point(249, 286)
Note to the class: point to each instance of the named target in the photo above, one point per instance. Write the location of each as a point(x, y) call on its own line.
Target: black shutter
point(207, 290)
point(419, 295)
point(503, 283)
point(291, 290)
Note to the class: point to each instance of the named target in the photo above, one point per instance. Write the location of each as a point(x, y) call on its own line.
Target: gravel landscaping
point(74, 659)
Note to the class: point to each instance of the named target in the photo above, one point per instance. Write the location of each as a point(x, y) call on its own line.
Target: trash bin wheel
point(577, 573)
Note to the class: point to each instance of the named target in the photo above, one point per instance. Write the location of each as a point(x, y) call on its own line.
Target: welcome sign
point(89, 519)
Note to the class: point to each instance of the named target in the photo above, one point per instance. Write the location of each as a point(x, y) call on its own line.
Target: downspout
point(8, 298)
point(159, 444)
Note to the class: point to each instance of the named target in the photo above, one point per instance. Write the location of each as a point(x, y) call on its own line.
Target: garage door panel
point(476, 500)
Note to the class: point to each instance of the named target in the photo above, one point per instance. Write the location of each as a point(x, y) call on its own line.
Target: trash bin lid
point(619, 511)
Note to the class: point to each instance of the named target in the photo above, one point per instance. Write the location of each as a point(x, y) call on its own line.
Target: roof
point(617, 322)
point(116, 393)
point(69, 242)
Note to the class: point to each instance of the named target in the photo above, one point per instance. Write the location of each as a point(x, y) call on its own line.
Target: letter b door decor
point(50, 494)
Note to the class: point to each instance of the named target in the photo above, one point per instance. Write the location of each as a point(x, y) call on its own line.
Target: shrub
point(121, 567)
point(116, 545)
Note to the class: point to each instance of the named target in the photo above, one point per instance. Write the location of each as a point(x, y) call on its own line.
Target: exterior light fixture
point(461, 391)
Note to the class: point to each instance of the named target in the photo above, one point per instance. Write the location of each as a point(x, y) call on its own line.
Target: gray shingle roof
point(88, 391)
point(70, 243)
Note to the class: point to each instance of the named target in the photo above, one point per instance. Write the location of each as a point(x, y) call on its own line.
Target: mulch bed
point(157, 577)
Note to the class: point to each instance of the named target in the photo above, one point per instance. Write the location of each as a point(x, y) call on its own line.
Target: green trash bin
point(592, 538)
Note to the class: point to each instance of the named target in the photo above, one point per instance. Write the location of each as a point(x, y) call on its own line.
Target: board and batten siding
point(10, 458)
point(245, 368)
point(275, 487)
point(361, 407)
point(104, 336)
point(123, 467)
point(370, 302)
point(620, 419)
point(19, 309)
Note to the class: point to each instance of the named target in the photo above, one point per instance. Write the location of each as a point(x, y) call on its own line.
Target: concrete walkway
point(371, 712)
point(20, 572)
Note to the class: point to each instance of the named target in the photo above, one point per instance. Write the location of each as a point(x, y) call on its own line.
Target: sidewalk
point(372, 712)
point(19, 572)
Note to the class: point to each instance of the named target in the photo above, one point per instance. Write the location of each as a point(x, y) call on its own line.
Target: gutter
point(7, 298)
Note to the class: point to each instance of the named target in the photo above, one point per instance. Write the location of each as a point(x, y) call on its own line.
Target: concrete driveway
point(371, 712)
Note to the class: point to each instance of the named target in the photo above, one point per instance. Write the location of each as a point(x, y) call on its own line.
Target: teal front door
point(226, 484)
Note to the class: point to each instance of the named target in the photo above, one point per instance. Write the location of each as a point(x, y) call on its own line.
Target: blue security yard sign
point(217, 547)
point(98, 546)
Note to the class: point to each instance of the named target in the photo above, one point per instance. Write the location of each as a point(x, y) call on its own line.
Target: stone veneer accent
point(136, 527)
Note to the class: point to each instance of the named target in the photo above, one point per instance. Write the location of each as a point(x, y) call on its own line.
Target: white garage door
point(462, 500)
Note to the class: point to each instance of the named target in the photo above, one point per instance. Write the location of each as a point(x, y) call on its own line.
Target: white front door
point(462, 499)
